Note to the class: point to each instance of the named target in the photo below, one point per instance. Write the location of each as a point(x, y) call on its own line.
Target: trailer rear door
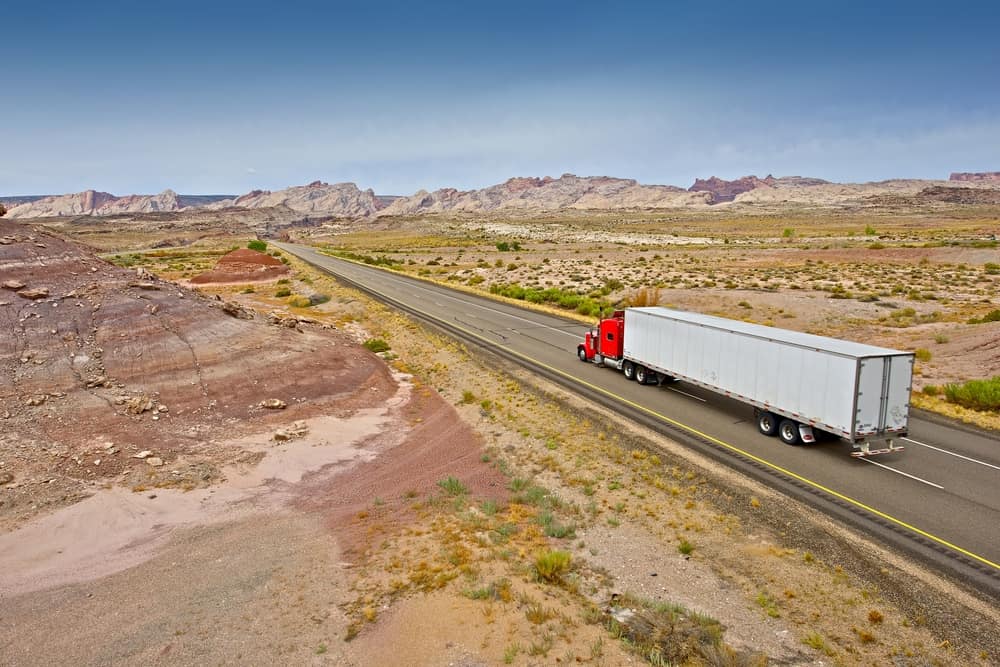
point(883, 394)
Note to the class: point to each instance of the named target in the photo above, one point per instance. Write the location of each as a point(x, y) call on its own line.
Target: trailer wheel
point(767, 423)
point(788, 431)
point(582, 353)
point(628, 368)
point(642, 375)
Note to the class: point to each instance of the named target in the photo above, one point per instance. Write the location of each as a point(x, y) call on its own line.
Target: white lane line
point(945, 451)
point(492, 310)
point(904, 474)
point(697, 398)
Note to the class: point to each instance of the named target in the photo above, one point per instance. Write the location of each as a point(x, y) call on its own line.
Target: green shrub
point(992, 316)
point(975, 394)
point(553, 528)
point(568, 300)
point(299, 301)
point(550, 565)
point(922, 354)
point(376, 345)
point(258, 245)
point(453, 486)
point(283, 291)
point(379, 260)
point(931, 390)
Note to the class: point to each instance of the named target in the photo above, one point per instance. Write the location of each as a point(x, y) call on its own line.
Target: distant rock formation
point(546, 194)
point(317, 201)
point(339, 200)
point(91, 202)
point(988, 176)
point(959, 195)
point(725, 191)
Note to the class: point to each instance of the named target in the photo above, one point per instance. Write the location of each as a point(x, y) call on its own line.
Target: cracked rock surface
point(101, 357)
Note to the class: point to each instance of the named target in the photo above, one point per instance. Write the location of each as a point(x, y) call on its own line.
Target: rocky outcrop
point(981, 176)
point(958, 195)
point(344, 200)
point(724, 191)
point(102, 363)
point(243, 265)
point(92, 202)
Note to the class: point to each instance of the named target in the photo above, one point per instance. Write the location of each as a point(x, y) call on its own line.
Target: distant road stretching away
point(938, 500)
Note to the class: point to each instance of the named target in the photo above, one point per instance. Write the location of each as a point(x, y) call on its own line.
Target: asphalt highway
point(938, 500)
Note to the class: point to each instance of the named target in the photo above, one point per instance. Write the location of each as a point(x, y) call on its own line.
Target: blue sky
point(226, 97)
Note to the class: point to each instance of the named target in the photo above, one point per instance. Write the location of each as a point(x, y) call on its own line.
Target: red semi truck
point(797, 383)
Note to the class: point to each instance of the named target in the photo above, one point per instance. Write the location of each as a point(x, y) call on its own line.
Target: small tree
point(258, 245)
point(3, 210)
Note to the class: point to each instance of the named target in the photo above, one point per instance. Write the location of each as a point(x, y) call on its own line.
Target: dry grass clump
point(550, 565)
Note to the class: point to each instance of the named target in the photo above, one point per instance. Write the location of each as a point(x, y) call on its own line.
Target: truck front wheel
point(788, 431)
point(628, 368)
point(767, 423)
point(582, 353)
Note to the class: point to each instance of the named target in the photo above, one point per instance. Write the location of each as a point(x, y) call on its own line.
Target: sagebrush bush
point(550, 565)
point(376, 345)
point(258, 245)
point(975, 394)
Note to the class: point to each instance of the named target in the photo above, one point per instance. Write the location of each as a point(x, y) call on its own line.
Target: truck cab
point(605, 341)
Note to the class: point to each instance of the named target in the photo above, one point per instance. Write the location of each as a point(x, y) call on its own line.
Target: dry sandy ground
point(249, 571)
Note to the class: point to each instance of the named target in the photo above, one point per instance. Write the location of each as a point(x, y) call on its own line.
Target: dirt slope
point(100, 364)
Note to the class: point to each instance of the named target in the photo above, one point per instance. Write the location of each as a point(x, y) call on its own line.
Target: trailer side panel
point(808, 378)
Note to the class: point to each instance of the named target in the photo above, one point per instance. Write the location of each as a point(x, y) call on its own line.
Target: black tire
point(767, 423)
point(788, 432)
point(642, 375)
point(581, 353)
point(628, 368)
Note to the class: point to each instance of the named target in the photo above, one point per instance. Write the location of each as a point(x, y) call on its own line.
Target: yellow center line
point(714, 440)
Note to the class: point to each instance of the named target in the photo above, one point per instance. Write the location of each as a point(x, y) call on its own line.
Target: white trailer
point(795, 381)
